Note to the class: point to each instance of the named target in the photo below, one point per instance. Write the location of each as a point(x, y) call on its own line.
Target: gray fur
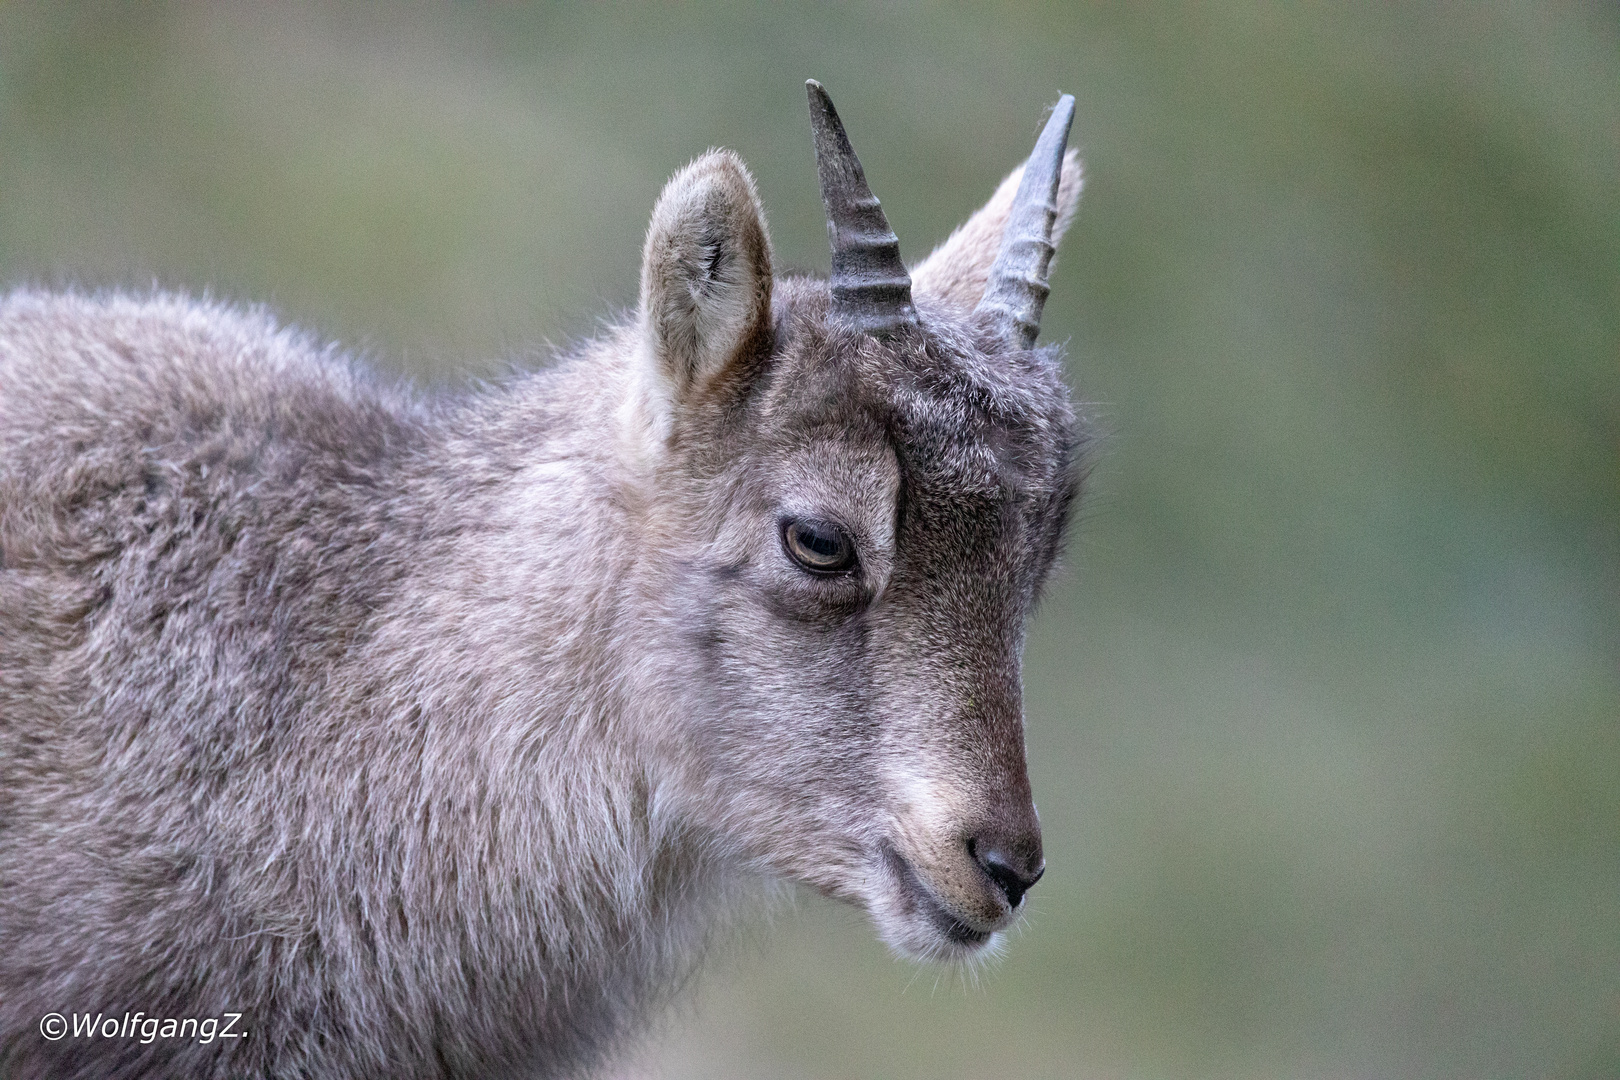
point(439, 737)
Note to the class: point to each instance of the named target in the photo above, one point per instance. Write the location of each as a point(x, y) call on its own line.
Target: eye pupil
point(821, 543)
point(818, 546)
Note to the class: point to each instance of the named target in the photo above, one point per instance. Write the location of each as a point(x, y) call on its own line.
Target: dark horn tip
point(1063, 115)
point(818, 96)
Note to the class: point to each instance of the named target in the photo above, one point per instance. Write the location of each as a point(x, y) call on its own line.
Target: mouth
point(954, 939)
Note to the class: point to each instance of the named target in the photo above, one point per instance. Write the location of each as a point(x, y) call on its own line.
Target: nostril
point(1013, 875)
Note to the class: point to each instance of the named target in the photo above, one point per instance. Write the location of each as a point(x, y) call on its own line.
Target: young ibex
point(347, 734)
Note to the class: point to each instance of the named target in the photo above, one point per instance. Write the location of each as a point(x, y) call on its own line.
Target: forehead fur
point(964, 411)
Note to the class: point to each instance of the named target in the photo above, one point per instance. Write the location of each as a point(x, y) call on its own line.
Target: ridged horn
point(1016, 290)
point(870, 285)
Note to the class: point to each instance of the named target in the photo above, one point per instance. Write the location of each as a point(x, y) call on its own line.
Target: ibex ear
point(705, 276)
point(956, 271)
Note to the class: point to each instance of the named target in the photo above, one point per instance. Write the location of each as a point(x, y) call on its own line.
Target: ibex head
point(860, 486)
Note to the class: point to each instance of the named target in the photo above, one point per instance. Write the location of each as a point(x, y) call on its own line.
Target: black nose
point(1015, 867)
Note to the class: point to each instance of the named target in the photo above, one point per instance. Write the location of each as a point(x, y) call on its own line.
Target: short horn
point(1016, 290)
point(870, 285)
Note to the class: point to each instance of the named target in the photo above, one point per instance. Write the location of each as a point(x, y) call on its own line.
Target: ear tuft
point(705, 274)
point(956, 271)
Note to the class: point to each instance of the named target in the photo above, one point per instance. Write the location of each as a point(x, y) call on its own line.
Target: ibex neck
point(489, 762)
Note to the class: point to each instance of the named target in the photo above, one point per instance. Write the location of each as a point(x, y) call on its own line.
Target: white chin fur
point(913, 922)
point(917, 938)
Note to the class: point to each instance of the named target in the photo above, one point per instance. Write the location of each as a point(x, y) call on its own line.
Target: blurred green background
point(1324, 717)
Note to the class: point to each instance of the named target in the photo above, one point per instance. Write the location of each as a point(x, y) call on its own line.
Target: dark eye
point(818, 546)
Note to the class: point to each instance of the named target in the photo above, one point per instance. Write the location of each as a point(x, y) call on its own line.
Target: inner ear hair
point(705, 274)
point(956, 271)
